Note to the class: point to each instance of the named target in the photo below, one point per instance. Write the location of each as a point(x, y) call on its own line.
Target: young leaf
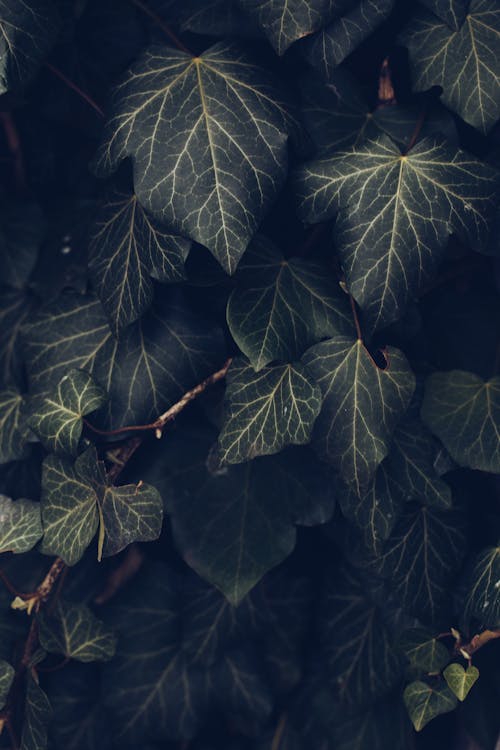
point(217, 111)
point(460, 680)
point(395, 213)
point(6, 678)
point(20, 525)
point(374, 400)
point(127, 249)
point(463, 410)
point(452, 12)
point(482, 589)
point(14, 432)
point(37, 715)
point(284, 22)
point(424, 702)
point(73, 631)
point(462, 60)
point(267, 410)
point(28, 29)
point(280, 307)
point(424, 652)
point(57, 416)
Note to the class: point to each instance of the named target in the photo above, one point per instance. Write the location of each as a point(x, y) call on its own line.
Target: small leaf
point(127, 249)
point(482, 589)
point(131, 513)
point(267, 411)
point(20, 525)
point(424, 652)
point(37, 715)
point(6, 678)
point(27, 33)
point(424, 702)
point(460, 680)
point(462, 60)
point(56, 417)
point(69, 511)
point(280, 307)
point(374, 399)
point(14, 432)
point(463, 410)
point(229, 120)
point(73, 631)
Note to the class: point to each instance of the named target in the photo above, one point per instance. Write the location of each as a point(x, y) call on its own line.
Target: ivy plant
point(249, 374)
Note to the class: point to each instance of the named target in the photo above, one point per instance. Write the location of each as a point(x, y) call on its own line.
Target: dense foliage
point(249, 374)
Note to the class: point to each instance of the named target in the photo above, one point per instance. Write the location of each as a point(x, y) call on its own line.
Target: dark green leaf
point(374, 400)
point(15, 307)
point(27, 32)
point(331, 46)
point(22, 226)
point(482, 588)
point(266, 411)
point(280, 307)
point(20, 525)
point(424, 702)
point(127, 248)
point(6, 677)
point(241, 691)
point(421, 558)
point(57, 416)
point(395, 213)
point(462, 60)
point(131, 513)
point(14, 432)
point(220, 18)
point(463, 410)
point(230, 121)
point(73, 631)
point(424, 652)
point(460, 680)
point(37, 714)
point(453, 12)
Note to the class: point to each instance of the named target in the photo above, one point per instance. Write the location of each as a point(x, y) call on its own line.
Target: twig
point(386, 95)
point(14, 145)
point(128, 567)
point(477, 642)
point(8, 584)
point(72, 85)
point(163, 26)
point(278, 735)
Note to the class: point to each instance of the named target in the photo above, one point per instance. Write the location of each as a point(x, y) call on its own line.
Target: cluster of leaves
point(264, 232)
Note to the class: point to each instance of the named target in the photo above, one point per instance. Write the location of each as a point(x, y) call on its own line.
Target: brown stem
point(386, 95)
point(8, 584)
point(45, 588)
point(72, 85)
point(12, 733)
point(416, 131)
point(14, 146)
point(131, 563)
point(355, 316)
point(163, 26)
point(477, 642)
point(278, 735)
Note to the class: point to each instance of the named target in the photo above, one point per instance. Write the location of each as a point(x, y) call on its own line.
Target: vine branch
point(72, 85)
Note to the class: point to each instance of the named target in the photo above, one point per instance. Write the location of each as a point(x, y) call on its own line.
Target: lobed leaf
point(20, 525)
point(424, 702)
point(73, 631)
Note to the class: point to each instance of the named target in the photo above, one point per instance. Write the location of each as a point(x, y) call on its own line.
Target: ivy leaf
point(285, 22)
point(395, 213)
point(280, 307)
point(14, 432)
point(331, 46)
point(127, 249)
point(463, 410)
point(27, 33)
point(6, 678)
point(462, 60)
point(452, 12)
point(22, 227)
point(482, 588)
point(424, 652)
point(15, 308)
point(218, 18)
point(421, 558)
point(57, 416)
point(424, 702)
point(37, 715)
point(460, 680)
point(266, 411)
point(374, 399)
point(230, 121)
point(131, 513)
point(20, 525)
point(73, 631)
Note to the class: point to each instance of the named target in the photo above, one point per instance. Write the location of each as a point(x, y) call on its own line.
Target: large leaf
point(453, 12)
point(361, 405)
point(425, 653)
point(37, 715)
point(460, 680)
point(421, 559)
point(14, 432)
point(57, 416)
point(20, 524)
point(395, 213)
point(286, 21)
point(212, 169)
point(73, 631)
point(482, 589)
point(6, 677)
point(127, 249)
point(463, 60)
point(28, 29)
point(280, 307)
point(331, 46)
point(266, 411)
point(22, 226)
point(425, 702)
point(463, 410)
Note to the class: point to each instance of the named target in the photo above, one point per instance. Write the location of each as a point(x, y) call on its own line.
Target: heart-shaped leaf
point(460, 680)
point(424, 702)
point(73, 631)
